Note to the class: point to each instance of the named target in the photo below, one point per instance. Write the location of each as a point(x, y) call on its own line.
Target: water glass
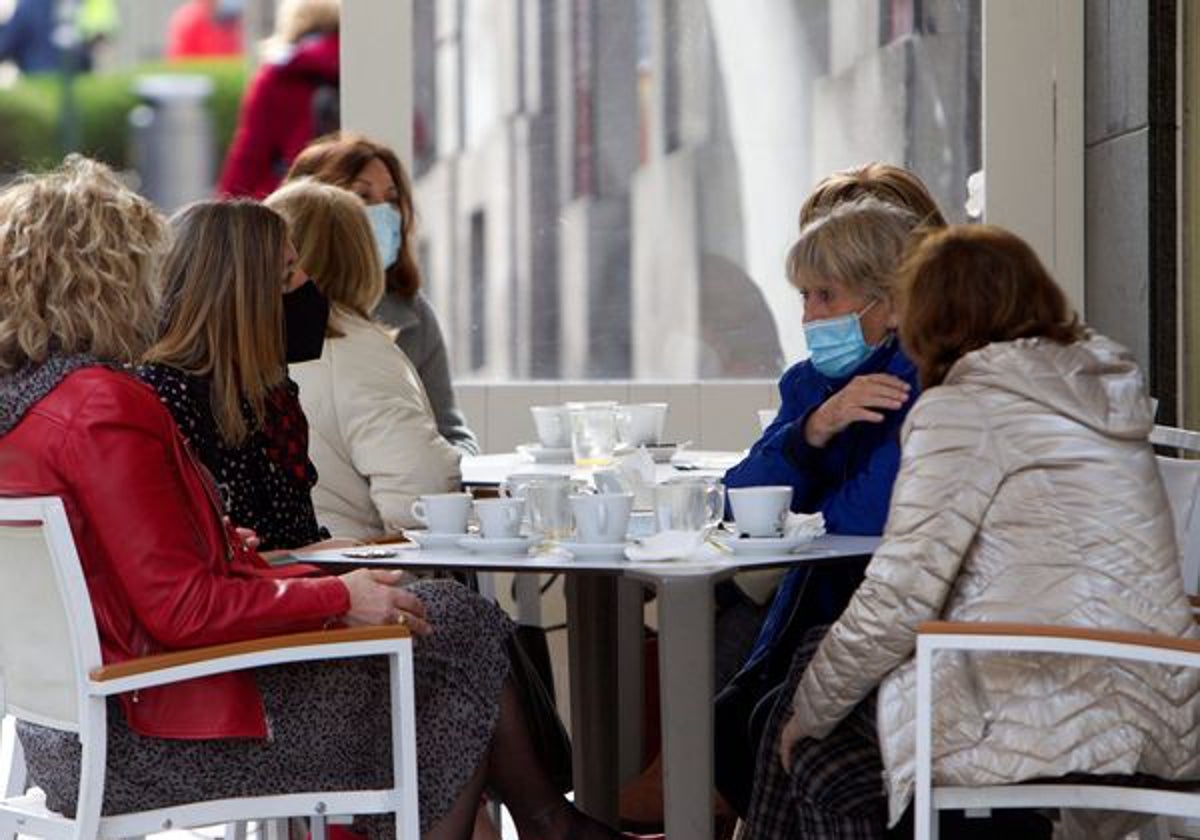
point(593, 435)
point(548, 503)
point(690, 504)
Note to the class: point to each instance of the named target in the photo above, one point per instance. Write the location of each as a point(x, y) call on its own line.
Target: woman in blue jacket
point(836, 438)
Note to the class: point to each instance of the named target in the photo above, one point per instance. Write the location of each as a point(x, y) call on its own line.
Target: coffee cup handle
point(418, 512)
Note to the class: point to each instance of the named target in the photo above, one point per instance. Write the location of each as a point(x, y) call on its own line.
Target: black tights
point(512, 770)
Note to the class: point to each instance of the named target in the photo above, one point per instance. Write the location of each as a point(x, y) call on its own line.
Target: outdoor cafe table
point(685, 659)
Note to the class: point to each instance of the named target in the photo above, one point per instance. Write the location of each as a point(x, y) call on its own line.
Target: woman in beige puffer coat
point(1027, 492)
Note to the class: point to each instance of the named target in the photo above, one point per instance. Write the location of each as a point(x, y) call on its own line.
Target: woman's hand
point(860, 401)
point(791, 735)
point(375, 598)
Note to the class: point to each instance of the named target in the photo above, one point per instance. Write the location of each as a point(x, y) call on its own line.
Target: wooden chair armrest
point(999, 628)
point(161, 661)
point(1194, 600)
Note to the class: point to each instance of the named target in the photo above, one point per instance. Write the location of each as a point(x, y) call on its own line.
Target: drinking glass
point(691, 504)
point(593, 435)
point(547, 501)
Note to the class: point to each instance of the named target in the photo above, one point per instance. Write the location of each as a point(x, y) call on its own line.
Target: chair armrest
point(1051, 632)
point(176, 666)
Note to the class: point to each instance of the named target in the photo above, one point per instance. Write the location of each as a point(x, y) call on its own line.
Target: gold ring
point(401, 619)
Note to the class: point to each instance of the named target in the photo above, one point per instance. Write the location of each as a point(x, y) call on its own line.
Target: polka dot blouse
point(266, 482)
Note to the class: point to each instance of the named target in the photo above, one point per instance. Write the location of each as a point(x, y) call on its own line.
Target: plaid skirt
point(835, 788)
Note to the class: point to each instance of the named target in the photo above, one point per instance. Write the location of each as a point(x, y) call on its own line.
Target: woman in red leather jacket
point(166, 572)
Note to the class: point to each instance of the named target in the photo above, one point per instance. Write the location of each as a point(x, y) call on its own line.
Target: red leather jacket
point(161, 568)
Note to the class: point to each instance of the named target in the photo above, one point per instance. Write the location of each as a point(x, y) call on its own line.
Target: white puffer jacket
point(372, 435)
point(1027, 492)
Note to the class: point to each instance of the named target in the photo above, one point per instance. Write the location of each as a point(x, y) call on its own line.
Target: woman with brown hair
point(1028, 492)
point(219, 363)
point(374, 441)
point(372, 171)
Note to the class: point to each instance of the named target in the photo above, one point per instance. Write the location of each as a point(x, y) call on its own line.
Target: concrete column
point(376, 71)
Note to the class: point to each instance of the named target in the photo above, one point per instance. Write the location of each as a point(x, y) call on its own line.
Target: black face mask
point(305, 316)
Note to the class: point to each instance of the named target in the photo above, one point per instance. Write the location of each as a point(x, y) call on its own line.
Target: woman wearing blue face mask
point(835, 440)
point(373, 173)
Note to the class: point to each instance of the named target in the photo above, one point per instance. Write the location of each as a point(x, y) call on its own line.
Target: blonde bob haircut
point(334, 241)
point(222, 311)
point(858, 244)
point(77, 255)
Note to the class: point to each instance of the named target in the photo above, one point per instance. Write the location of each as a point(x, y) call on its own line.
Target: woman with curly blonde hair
point(56, 305)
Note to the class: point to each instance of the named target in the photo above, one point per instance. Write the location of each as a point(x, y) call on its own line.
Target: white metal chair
point(53, 675)
point(936, 636)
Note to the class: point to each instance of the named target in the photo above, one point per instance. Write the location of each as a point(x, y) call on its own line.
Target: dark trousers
point(743, 707)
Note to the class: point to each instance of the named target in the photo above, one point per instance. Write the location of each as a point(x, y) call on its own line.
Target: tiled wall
point(712, 415)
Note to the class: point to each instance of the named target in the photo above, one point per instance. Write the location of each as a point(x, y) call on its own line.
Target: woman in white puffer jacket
point(1027, 492)
point(373, 437)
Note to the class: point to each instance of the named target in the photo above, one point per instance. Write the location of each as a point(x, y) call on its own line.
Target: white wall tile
point(599, 390)
point(727, 414)
point(508, 419)
point(472, 400)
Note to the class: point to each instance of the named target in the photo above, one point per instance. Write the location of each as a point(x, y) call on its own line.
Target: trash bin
point(172, 137)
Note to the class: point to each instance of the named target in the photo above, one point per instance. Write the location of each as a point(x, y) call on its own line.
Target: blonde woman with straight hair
point(220, 363)
point(375, 442)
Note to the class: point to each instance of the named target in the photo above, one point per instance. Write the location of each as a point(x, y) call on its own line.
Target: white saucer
point(762, 545)
point(581, 549)
point(547, 454)
point(495, 545)
point(432, 539)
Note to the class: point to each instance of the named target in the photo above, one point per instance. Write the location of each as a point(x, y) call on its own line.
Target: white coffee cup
point(760, 511)
point(689, 504)
point(553, 423)
point(500, 518)
point(641, 424)
point(766, 416)
point(443, 513)
point(602, 517)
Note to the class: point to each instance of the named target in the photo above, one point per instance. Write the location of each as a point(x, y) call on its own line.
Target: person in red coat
point(279, 113)
point(202, 28)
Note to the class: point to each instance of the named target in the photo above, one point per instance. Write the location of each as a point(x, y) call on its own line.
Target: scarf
point(22, 389)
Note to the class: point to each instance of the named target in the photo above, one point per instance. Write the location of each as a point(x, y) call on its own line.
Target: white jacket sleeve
point(949, 471)
point(388, 426)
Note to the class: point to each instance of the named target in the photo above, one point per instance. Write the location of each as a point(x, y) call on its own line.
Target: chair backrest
point(1182, 439)
point(1181, 478)
point(48, 641)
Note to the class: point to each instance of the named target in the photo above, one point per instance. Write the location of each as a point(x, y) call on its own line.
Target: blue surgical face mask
point(386, 226)
point(837, 344)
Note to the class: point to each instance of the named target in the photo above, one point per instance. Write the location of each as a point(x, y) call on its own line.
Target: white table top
point(490, 470)
point(705, 562)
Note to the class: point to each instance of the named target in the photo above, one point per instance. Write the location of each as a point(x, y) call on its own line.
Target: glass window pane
point(641, 165)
